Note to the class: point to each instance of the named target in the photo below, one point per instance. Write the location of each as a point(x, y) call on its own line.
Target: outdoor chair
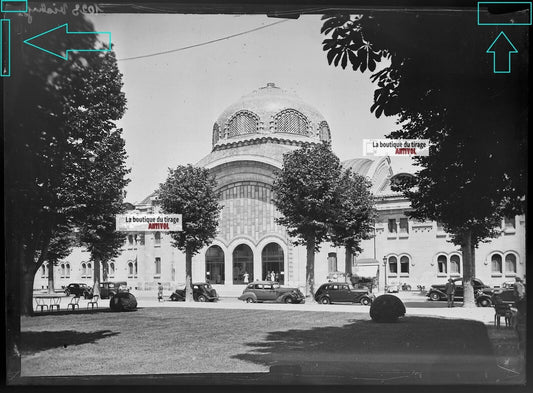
point(54, 303)
point(74, 302)
point(502, 310)
point(93, 302)
point(41, 303)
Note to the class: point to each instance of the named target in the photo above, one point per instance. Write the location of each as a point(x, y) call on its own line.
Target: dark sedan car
point(482, 292)
point(271, 291)
point(78, 290)
point(341, 292)
point(201, 292)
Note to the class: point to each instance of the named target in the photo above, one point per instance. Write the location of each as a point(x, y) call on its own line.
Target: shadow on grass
point(32, 342)
point(413, 350)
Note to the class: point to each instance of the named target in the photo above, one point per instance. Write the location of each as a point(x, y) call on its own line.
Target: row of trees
point(441, 86)
point(319, 202)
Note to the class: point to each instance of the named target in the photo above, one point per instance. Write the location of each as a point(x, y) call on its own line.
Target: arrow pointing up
point(503, 46)
point(60, 34)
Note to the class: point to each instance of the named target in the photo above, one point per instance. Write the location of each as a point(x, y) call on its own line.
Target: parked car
point(78, 289)
point(201, 292)
point(341, 292)
point(271, 291)
point(482, 292)
point(108, 289)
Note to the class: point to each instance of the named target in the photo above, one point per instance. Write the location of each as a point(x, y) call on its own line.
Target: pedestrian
point(246, 276)
point(272, 276)
point(159, 292)
point(277, 277)
point(519, 290)
point(450, 291)
point(267, 278)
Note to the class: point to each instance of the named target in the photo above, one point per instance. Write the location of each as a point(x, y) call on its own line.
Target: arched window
point(43, 270)
point(84, 270)
point(62, 270)
point(111, 269)
point(135, 268)
point(455, 264)
point(510, 263)
point(292, 122)
point(67, 272)
point(273, 261)
point(442, 264)
point(89, 270)
point(496, 263)
point(404, 264)
point(216, 133)
point(130, 269)
point(157, 238)
point(214, 265)
point(242, 123)
point(323, 131)
point(393, 265)
point(243, 264)
point(157, 267)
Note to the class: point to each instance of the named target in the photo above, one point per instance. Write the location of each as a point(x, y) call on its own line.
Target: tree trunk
point(348, 263)
point(51, 284)
point(468, 270)
point(310, 272)
point(96, 280)
point(188, 276)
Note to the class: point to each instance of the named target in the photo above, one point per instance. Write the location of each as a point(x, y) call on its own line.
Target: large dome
point(269, 114)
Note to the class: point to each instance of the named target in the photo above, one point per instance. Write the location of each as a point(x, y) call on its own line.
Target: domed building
point(249, 139)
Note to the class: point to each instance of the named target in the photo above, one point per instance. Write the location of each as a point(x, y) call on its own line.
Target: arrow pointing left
point(63, 30)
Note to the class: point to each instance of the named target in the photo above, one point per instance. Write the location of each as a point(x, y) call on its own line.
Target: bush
point(123, 301)
point(387, 308)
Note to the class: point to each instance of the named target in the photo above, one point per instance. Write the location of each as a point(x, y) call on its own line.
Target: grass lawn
point(195, 340)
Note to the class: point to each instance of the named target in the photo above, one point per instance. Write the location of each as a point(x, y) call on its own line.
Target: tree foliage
point(59, 125)
point(317, 199)
point(438, 79)
point(190, 191)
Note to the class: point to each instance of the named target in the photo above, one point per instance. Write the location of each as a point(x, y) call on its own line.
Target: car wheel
point(325, 300)
point(434, 296)
point(250, 300)
point(484, 302)
point(365, 301)
point(288, 299)
point(202, 298)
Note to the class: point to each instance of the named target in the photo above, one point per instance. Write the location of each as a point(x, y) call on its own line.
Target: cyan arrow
point(505, 46)
point(63, 29)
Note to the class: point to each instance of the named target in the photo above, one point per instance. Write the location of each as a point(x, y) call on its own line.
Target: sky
point(175, 98)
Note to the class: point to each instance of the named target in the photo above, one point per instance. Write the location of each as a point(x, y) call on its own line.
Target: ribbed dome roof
point(270, 114)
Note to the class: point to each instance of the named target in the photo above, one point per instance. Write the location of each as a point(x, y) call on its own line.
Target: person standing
point(272, 276)
point(246, 276)
point(159, 292)
point(450, 291)
point(519, 290)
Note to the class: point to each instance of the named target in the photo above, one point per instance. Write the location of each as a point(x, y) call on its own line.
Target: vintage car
point(78, 290)
point(201, 292)
point(341, 292)
point(108, 289)
point(482, 293)
point(271, 291)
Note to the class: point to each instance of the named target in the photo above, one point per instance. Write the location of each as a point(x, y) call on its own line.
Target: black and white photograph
point(210, 194)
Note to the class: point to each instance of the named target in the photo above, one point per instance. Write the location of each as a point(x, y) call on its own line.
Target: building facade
point(248, 142)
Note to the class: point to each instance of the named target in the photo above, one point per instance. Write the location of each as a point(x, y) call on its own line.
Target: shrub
point(123, 301)
point(387, 308)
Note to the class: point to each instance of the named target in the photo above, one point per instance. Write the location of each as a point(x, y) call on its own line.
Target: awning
point(367, 271)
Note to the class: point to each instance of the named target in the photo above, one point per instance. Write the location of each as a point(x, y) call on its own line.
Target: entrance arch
point(273, 259)
point(214, 265)
point(243, 264)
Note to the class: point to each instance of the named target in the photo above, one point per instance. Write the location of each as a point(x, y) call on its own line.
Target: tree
point(354, 220)
point(190, 191)
point(305, 193)
point(443, 88)
point(60, 247)
point(57, 115)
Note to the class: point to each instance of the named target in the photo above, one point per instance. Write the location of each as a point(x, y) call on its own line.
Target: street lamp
point(385, 274)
